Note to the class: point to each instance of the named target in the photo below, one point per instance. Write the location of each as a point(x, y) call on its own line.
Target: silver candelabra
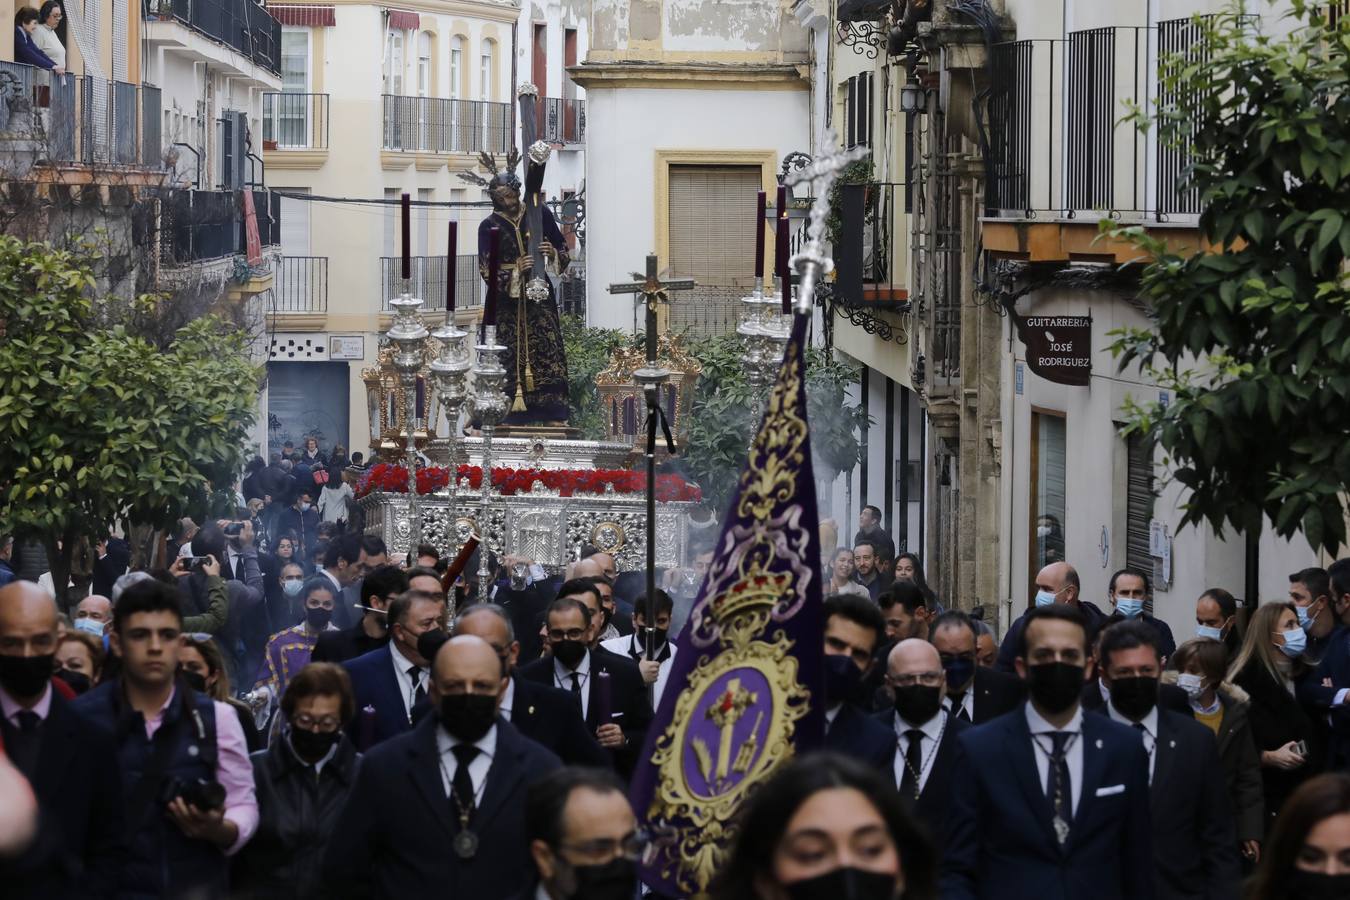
point(490, 404)
point(450, 379)
point(764, 332)
point(409, 337)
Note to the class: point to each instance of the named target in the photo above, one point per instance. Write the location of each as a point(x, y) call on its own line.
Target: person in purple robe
point(288, 651)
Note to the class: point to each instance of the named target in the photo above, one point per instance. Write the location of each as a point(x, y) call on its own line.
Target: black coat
point(344, 644)
point(995, 694)
point(552, 717)
point(393, 837)
point(854, 733)
point(935, 798)
point(1194, 843)
point(80, 845)
point(1277, 718)
point(296, 816)
point(628, 695)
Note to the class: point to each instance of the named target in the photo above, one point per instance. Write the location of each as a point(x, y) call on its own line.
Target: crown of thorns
point(500, 177)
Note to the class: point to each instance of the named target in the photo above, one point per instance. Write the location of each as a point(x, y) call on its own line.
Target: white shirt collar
point(1150, 721)
point(832, 713)
point(583, 668)
point(487, 744)
point(1038, 725)
point(401, 662)
point(508, 698)
point(931, 729)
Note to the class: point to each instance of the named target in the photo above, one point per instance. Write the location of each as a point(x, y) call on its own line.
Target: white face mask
point(1193, 685)
point(304, 507)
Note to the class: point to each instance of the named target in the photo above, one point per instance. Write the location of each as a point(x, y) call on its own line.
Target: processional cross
point(650, 378)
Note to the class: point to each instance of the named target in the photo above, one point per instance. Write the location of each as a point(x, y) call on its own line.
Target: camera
point(233, 529)
point(199, 792)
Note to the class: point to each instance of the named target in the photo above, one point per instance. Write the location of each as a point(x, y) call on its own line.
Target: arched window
point(423, 64)
point(486, 62)
point(456, 67)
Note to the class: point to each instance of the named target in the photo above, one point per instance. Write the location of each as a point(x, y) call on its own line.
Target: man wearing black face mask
point(583, 837)
point(853, 627)
point(1195, 845)
point(70, 763)
point(649, 645)
point(371, 631)
point(926, 733)
point(1048, 803)
point(440, 811)
point(394, 679)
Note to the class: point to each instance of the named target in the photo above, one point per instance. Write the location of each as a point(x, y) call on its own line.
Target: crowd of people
point(303, 721)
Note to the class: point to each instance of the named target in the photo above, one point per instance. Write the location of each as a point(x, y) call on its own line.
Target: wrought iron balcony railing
point(243, 25)
point(436, 125)
point(301, 285)
point(295, 121)
point(428, 281)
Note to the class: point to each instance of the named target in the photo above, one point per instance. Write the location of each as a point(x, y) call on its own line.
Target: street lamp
point(912, 99)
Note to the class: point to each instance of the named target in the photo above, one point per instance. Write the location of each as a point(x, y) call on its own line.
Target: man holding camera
point(190, 800)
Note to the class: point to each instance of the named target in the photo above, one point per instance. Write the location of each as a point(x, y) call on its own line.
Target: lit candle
point(759, 235)
point(781, 267)
point(407, 238)
point(451, 264)
point(781, 205)
point(494, 263)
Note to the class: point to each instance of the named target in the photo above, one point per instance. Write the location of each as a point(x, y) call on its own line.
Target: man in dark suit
point(70, 762)
point(853, 628)
point(370, 632)
point(574, 666)
point(1049, 803)
point(582, 832)
point(974, 693)
point(925, 733)
point(1194, 842)
point(440, 811)
point(392, 680)
point(545, 714)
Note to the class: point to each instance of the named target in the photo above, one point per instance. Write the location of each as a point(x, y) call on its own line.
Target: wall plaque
point(1059, 348)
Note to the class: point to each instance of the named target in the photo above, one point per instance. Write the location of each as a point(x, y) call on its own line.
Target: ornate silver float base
point(536, 453)
point(541, 525)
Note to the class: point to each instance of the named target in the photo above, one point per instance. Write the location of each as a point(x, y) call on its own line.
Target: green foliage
point(97, 424)
point(1253, 340)
point(717, 432)
point(588, 351)
point(857, 172)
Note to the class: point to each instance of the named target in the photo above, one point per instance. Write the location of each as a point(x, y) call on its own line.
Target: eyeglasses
point(629, 847)
point(309, 723)
point(571, 634)
point(927, 679)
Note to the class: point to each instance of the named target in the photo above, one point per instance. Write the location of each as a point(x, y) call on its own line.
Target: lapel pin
point(1099, 743)
point(1172, 744)
point(531, 710)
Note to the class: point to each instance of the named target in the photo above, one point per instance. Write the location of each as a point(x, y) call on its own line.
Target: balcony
point(237, 35)
point(561, 121)
point(202, 226)
point(82, 120)
point(295, 121)
point(872, 240)
point(428, 281)
point(301, 285)
point(435, 125)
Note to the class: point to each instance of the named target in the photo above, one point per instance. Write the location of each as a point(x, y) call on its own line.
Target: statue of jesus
point(536, 366)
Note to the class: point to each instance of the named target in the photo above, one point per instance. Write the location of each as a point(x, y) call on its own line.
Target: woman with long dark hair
point(825, 828)
point(908, 568)
point(1308, 857)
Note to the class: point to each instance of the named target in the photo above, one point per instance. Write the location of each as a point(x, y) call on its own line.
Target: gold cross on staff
point(654, 291)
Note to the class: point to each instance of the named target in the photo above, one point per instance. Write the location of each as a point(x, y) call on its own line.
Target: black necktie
point(576, 683)
point(419, 692)
point(909, 781)
point(462, 783)
point(26, 741)
point(1060, 788)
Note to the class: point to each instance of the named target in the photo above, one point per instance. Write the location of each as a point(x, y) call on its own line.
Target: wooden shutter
point(1139, 506)
point(712, 220)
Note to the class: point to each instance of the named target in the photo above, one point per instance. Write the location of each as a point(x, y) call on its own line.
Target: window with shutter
point(1139, 507)
point(1049, 469)
point(712, 216)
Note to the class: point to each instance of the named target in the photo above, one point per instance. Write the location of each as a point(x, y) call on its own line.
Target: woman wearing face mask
point(1198, 668)
point(202, 668)
point(827, 828)
point(288, 651)
point(302, 782)
point(1266, 668)
point(1309, 852)
point(79, 660)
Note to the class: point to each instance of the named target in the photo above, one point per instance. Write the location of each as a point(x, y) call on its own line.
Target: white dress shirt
point(1044, 744)
point(967, 703)
point(508, 699)
point(631, 646)
point(932, 733)
point(478, 766)
point(406, 686)
point(562, 676)
point(1149, 732)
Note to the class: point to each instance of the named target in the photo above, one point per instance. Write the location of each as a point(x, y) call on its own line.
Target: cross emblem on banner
point(653, 290)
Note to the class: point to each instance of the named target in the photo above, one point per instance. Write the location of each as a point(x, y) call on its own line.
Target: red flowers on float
point(567, 482)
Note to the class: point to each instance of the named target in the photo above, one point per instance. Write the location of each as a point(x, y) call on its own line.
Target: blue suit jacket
point(1335, 667)
point(375, 685)
point(856, 734)
point(1000, 844)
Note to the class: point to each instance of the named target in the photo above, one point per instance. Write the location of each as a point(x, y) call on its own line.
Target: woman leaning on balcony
point(45, 35)
point(26, 50)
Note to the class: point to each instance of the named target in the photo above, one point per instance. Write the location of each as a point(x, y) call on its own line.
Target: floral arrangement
point(567, 482)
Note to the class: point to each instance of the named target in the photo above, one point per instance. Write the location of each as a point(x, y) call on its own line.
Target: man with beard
point(440, 811)
point(1048, 803)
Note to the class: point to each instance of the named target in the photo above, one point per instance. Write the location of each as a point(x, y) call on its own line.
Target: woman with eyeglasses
point(1267, 667)
point(827, 827)
point(288, 651)
point(302, 783)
